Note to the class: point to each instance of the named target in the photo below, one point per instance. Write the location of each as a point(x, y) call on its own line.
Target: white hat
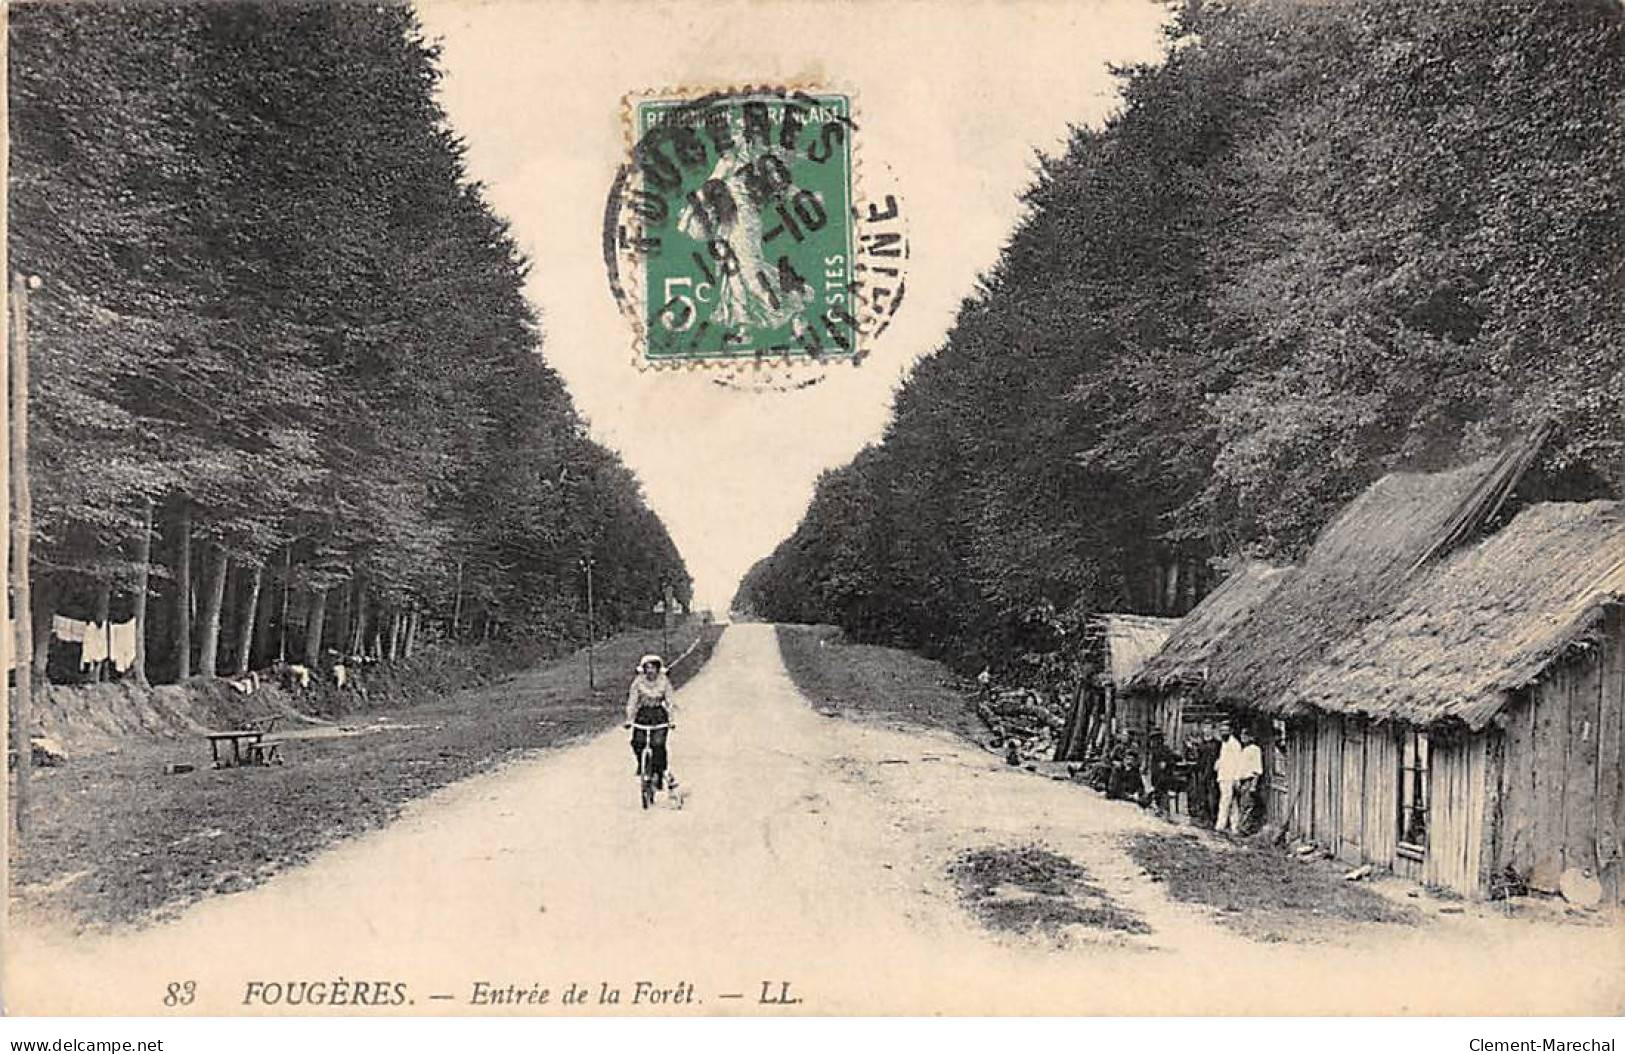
point(647, 659)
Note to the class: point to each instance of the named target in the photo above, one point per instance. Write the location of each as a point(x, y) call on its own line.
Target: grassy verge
point(1034, 890)
point(1261, 892)
point(113, 840)
point(868, 682)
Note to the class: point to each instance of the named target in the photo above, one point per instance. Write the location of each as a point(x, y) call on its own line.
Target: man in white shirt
point(1228, 771)
point(1250, 766)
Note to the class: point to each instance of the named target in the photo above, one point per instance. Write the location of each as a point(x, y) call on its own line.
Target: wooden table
point(237, 738)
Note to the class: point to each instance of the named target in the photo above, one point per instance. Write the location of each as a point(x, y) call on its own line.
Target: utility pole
point(18, 736)
point(21, 527)
point(665, 620)
point(592, 633)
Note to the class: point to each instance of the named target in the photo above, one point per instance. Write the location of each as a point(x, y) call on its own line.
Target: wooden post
point(17, 735)
point(21, 528)
point(665, 621)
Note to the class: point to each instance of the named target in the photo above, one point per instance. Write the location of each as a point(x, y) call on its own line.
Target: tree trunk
point(101, 615)
point(315, 621)
point(282, 621)
point(183, 590)
point(413, 624)
point(214, 597)
point(341, 628)
point(143, 582)
point(358, 643)
point(1170, 599)
point(22, 529)
point(457, 602)
point(44, 607)
point(265, 620)
point(250, 615)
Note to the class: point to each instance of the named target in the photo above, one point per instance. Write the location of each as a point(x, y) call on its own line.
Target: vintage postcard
point(741, 507)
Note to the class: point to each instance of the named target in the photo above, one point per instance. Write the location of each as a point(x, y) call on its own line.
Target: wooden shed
point(1436, 700)
point(1494, 687)
point(1118, 646)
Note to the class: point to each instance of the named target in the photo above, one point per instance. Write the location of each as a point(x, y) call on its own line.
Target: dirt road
point(811, 851)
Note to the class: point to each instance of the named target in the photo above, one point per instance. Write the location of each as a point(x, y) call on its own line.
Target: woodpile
point(1024, 726)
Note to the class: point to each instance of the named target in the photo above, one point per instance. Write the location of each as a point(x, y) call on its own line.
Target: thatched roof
point(1355, 573)
point(1130, 641)
point(1484, 623)
point(1184, 657)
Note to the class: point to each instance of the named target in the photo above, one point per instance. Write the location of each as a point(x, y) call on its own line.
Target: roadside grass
point(864, 681)
point(1034, 890)
point(1260, 892)
point(113, 841)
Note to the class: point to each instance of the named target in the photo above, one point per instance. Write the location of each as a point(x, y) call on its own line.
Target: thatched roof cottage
point(1442, 703)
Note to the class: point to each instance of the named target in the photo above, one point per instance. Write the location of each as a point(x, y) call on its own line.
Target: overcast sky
point(952, 100)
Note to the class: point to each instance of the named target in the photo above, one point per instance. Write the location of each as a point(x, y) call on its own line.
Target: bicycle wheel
point(646, 779)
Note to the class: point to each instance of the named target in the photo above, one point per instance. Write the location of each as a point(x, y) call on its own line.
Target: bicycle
point(646, 778)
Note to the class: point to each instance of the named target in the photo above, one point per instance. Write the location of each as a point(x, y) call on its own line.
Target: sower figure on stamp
point(649, 703)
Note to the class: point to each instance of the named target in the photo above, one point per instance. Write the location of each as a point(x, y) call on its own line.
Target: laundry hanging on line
point(69, 630)
point(94, 644)
point(121, 644)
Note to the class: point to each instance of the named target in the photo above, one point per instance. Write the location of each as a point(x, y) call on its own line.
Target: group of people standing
point(1220, 770)
point(1227, 766)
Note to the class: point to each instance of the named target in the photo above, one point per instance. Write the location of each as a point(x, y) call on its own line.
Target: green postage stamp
point(732, 230)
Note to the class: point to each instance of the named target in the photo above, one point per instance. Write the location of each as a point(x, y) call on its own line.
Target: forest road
point(809, 863)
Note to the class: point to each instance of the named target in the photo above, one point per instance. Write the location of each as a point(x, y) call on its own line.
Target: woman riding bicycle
point(649, 702)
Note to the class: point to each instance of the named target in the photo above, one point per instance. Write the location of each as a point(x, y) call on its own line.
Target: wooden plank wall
point(1328, 781)
point(1456, 826)
point(1563, 784)
point(1351, 825)
point(1611, 759)
point(1580, 781)
point(1549, 763)
point(1381, 832)
point(1301, 778)
point(1516, 837)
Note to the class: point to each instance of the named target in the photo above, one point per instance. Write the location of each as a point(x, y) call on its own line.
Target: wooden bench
point(247, 744)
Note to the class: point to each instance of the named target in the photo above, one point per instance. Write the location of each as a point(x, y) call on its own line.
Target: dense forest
point(1316, 243)
point(285, 381)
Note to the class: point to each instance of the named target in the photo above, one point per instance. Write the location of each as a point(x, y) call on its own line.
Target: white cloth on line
point(95, 644)
point(121, 644)
point(70, 630)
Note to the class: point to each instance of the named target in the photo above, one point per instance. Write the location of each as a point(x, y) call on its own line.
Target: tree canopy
point(275, 309)
point(1318, 242)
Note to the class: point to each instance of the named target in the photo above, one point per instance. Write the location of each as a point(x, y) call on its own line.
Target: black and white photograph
point(544, 509)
